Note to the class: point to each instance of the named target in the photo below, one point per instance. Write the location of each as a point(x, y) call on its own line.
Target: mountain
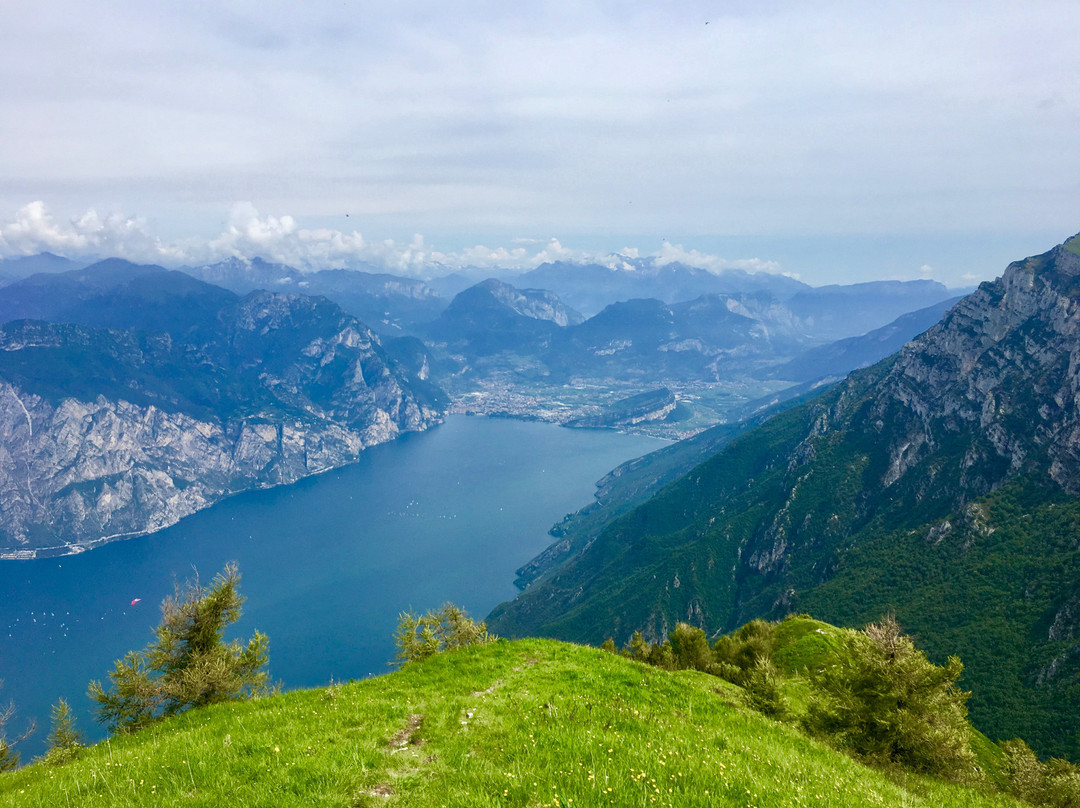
point(12, 269)
point(649, 340)
point(837, 359)
point(523, 723)
point(108, 433)
point(652, 405)
point(493, 317)
point(390, 304)
point(591, 287)
point(116, 294)
point(242, 275)
point(499, 331)
point(835, 312)
point(941, 482)
point(532, 334)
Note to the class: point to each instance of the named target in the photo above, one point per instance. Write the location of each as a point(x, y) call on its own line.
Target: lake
point(327, 564)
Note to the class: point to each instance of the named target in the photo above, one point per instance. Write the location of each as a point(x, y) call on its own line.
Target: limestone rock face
point(106, 434)
point(1001, 371)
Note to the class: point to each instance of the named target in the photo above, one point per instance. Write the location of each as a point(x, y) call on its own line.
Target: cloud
point(280, 240)
point(777, 118)
point(249, 234)
point(34, 230)
point(926, 271)
point(676, 253)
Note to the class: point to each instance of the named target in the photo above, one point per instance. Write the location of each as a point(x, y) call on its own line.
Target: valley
point(156, 393)
point(787, 484)
point(682, 398)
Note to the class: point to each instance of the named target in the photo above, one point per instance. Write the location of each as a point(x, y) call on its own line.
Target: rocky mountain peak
point(1001, 368)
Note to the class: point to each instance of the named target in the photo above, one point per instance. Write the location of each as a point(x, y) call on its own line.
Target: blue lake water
point(327, 564)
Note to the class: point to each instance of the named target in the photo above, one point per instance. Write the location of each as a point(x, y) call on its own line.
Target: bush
point(188, 664)
point(639, 648)
point(418, 637)
point(690, 648)
point(1055, 784)
point(65, 740)
point(738, 654)
point(888, 704)
point(761, 685)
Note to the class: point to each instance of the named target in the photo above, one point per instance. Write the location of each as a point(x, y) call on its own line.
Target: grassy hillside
point(525, 723)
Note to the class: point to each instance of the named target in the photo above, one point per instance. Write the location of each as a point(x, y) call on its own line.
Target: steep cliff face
point(106, 434)
point(1003, 367)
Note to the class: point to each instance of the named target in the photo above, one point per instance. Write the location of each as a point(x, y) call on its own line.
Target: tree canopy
point(189, 663)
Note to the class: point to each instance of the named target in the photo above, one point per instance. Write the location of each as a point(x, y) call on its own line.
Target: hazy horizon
point(835, 142)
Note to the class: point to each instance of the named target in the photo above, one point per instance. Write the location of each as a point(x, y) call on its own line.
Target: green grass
point(525, 723)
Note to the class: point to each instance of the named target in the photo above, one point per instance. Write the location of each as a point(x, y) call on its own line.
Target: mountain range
point(135, 344)
point(939, 483)
point(139, 395)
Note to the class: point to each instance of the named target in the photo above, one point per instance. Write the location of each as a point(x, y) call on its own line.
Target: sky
point(831, 141)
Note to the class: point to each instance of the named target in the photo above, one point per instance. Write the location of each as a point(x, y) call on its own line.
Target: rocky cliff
point(107, 433)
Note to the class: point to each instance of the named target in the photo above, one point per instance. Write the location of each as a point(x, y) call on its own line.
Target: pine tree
point(9, 758)
point(64, 739)
point(188, 664)
point(420, 636)
point(887, 703)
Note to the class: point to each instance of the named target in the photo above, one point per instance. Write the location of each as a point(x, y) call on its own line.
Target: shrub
point(188, 664)
point(639, 648)
point(739, 653)
point(420, 636)
point(1055, 784)
point(1061, 784)
point(690, 648)
point(65, 740)
point(761, 684)
point(888, 704)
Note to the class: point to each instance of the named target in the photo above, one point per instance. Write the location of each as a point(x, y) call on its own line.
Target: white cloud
point(676, 253)
point(281, 239)
point(926, 271)
point(34, 230)
point(780, 117)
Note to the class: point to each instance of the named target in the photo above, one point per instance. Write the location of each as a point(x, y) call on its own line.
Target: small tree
point(764, 693)
point(188, 664)
point(638, 648)
point(690, 648)
point(1055, 784)
point(887, 703)
point(418, 637)
point(65, 740)
point(738, 655)
point(9, 758)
